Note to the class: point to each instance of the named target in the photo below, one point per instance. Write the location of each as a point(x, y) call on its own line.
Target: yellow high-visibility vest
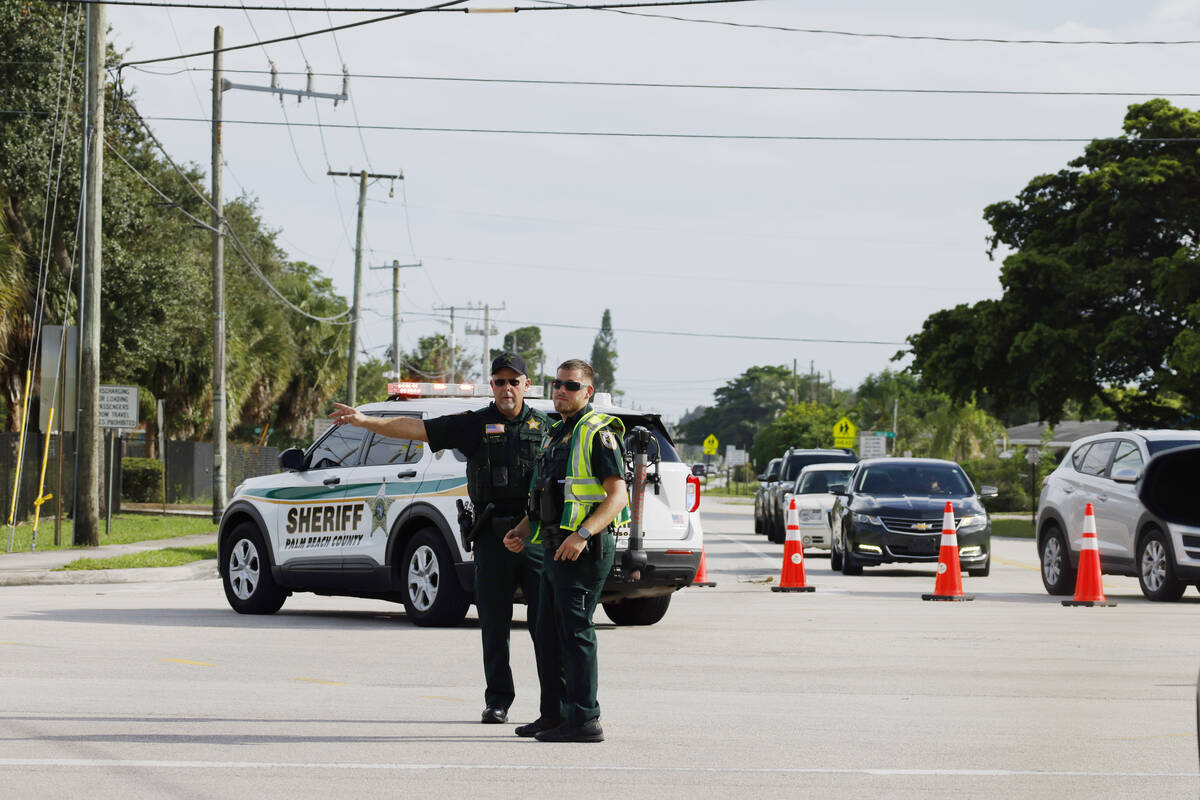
point(582, 492)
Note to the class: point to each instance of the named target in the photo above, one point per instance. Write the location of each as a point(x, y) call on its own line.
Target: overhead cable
point(691, 334)
point(710, 136)
point(409, 10)
point(231, 48)
point(719, 86)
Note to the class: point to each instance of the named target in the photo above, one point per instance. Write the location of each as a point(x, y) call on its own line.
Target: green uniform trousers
point(498, 573)
point(569, 593)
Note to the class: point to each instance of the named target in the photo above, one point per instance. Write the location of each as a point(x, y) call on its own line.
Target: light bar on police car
point(412, 389)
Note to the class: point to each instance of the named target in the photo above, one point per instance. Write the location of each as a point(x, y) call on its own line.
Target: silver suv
point(1104, 470)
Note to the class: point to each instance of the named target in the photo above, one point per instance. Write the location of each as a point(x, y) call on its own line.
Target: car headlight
point(973, 523)
point(810, 515)
point(866, 519)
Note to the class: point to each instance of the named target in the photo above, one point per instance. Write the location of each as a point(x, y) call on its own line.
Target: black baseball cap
point(509, 361)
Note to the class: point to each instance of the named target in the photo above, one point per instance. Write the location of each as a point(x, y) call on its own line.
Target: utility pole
point(220, 412)
point(87, 517)
point(487, 330)
point(218, 278)
point(395, 267)
point(453, 344)
point(795, 384)
point(356, 310)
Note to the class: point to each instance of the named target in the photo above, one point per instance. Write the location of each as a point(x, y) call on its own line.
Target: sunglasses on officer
point(507, 381)
point(570, 386)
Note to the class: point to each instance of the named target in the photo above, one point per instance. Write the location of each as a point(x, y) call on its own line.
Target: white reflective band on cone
point(949, 540)
point(1089, 542)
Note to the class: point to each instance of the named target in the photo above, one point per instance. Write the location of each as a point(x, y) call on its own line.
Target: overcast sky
point(846, 240)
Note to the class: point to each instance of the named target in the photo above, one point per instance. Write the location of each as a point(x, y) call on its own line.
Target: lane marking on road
point(747, 547)
point(27, 644)
point(108, 763)
point(187, 661)
point(320, 681)
point(1022, 565)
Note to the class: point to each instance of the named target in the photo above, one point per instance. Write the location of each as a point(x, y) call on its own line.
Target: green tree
point(964, 433)
point(430, 361)
point(604, 356)
point(1101, 292)
point(527, 343)
point(743, 406)
point(800, 425)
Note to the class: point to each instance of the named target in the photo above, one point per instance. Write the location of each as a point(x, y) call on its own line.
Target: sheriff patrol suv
point(362, 515)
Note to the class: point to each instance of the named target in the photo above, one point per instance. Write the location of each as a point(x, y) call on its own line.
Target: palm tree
point(964, 432)
point(16, 331)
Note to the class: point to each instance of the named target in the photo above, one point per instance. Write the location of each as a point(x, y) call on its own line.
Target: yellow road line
point(1008, 563)
point(318, 681)
point(25, 644)
point(186, 661)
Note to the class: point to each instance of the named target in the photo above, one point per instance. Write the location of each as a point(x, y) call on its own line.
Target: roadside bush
point(1009, 475)
point(141, 480)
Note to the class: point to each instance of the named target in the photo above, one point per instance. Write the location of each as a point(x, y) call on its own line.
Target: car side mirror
point(1127, 475)
point(838, 489)
point(292, 459)
point(772, 479)
point(989, 491)
point(762, 478)
point(1168, 481)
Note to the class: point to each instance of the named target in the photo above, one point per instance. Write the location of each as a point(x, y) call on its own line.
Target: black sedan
point(891, 510)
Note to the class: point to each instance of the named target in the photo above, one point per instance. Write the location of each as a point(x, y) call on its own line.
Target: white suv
point(358, 514)
point(1103, 470)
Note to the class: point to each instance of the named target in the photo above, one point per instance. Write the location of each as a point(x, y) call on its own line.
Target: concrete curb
point(197, 570)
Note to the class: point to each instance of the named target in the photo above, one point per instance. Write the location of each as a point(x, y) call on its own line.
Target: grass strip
point(126, 528)
point(166, 557)
point(1015, 528)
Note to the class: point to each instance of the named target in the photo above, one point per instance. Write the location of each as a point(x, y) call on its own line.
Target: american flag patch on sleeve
point(495, 427)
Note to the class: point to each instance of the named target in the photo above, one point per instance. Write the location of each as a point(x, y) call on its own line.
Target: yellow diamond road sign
point(844, 433)
point(710, 445)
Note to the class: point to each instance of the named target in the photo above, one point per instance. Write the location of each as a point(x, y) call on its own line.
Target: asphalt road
point(859, 689)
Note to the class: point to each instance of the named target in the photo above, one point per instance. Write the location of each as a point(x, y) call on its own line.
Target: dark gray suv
point(794, 460)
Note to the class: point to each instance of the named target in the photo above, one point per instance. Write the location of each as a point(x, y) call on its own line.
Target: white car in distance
point(814, 502)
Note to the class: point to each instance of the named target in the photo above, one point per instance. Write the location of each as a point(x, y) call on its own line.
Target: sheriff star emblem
point(379, 505)
point(534, 424)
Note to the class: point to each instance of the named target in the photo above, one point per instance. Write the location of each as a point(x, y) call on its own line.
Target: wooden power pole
point(87, 516)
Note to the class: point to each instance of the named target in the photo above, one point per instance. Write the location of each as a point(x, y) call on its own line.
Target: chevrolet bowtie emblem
point(921, 526)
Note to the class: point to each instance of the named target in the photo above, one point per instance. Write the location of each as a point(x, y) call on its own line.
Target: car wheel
point(432, 596)
point(1058, 576)
point(757, 523)
point(249, 587)
point(981, 572)
point(638, 610)
point(1156, 568)
point(835, 557)
point(850, 564)
point(776, 533)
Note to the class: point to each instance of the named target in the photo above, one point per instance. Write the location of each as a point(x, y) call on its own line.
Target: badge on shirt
point(533, 423)
point(495, 427)
point(608, 440)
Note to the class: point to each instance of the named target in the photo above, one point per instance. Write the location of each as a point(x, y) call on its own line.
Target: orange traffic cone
point(701, 578)
point(1088, 589)
point(791, 578)
point(948, 585)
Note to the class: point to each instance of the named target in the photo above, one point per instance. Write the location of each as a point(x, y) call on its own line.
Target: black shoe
point(589, 731)
point(537, 726)
point(494, 715)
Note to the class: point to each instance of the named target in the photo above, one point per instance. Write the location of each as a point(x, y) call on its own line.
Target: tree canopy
point(1101, 290)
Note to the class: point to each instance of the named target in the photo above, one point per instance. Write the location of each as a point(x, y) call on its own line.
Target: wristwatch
point(584, 533)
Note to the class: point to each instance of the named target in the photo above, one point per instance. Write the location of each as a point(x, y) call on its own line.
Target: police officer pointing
point(577, 503)
point(501, 443)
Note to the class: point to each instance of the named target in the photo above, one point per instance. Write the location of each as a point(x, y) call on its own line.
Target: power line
point(346, 26)
point(895, 36)
point(711, 136)
point(409, 10)
point(716, 86)
point(690, 334)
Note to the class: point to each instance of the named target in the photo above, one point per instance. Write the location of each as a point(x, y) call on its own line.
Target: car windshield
point(819, 481)
point(934, 480)
point(1170, 444)
point(799, 461)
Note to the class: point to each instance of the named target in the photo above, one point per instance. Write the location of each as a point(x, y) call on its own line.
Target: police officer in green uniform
point(501, 443)
point(578, 501)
